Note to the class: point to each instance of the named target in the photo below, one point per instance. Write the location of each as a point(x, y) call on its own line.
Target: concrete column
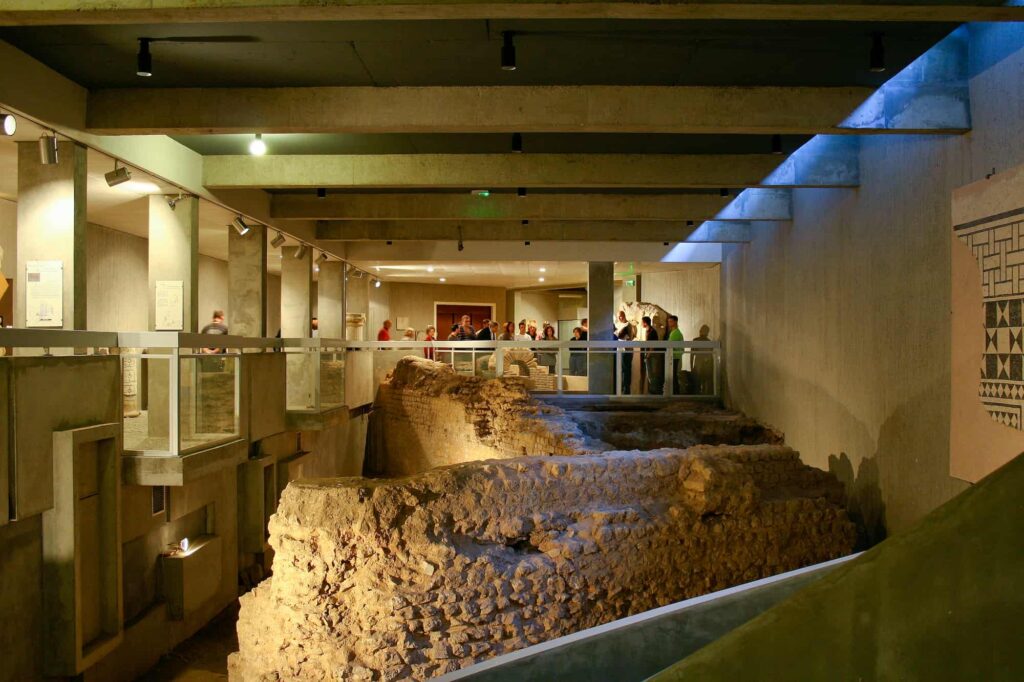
point(247, 282)
point(174, 254)
point(330, 290)
point(52, 225)
point(600, 309)
point(296, 282)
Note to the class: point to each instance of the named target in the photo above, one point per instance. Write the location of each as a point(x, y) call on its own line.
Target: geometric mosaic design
point(998, 246)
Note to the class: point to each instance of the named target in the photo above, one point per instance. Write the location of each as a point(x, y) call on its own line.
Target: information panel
point(44, 293)
point(170, 306)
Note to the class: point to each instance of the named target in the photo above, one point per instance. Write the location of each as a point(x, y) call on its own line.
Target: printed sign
point(170, 306)
point(44, 293)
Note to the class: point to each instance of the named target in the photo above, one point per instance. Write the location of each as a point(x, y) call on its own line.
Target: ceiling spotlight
point(664, 243)
point(8, 124)
point(689, 223)
point(517, 143)
point(776, 144)
point(521, 192)
point(118, 175)
point(321, 193)
point(723, 192)
point(430, 268)
point(461, 245)
point(277, 241)
point(48, 150)
point(543, 269)
point(442, 279)
point(376, 283)
point(322, 258)
point(300, 253)
point(508, 51)
point(526, 243)
point(480, 192)
point(876, 63)
point(388, 242)
point(240, 227)
point(144, 61)
point(540, 279)
point(258, 147)
point(524, 222)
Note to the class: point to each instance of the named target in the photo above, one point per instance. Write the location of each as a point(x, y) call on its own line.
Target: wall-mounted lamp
point(278, 240)
point(117, 176)
point(48, 149)
point(240, 227)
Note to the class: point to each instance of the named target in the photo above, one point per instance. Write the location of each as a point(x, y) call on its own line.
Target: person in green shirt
point(677, 355)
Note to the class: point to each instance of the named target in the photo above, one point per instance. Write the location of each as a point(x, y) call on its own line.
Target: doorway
point(447, 314)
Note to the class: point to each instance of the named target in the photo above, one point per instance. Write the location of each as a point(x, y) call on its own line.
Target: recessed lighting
point(258, 147)
point(543, 269)
point(430, 268)
point(540, 279)
point(442, 279)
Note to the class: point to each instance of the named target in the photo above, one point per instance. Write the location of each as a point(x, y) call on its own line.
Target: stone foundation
point(411, 578)
point(425, 415)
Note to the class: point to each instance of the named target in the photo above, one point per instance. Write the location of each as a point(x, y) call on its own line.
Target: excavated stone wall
point(425, 415)
point(414, 577)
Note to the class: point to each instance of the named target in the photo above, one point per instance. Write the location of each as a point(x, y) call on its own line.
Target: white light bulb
point(430, 268)
point(184, 544)
point(543, 269)
point(258, 147)
point(443, 279)
point(10, 125)
point(540, 279)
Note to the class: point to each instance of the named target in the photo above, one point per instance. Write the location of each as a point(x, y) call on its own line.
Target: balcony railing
point(316, 373)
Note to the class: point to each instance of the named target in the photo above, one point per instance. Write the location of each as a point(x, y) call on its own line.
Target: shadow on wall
point(901, 475)
point(864, 498)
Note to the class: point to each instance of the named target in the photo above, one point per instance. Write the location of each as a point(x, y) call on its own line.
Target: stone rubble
point(396, 579)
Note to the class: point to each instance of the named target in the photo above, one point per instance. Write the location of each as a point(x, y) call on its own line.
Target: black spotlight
point(521, 192)
point(689, 223)
point(776, 144)
point(877, 61)
point(461, 245)
point(723, 192)
point(525, 222)
point(321, 193)
point(144, 61)
point(389, 242)
point(526, 243)
point(517, 143)
point(508, 51)
point(664, 243)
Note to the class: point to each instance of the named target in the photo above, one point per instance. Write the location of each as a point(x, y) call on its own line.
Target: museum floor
point(204, 656)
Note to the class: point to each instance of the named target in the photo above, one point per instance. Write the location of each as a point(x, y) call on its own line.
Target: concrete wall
point(836, 326)
point(8, 235)
point(692, 294)
point(213, 288)
point(538, 305)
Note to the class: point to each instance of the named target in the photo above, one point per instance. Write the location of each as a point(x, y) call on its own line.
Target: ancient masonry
point(408, 578)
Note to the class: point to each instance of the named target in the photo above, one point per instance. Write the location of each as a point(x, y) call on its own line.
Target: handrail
point(491, 345)
point(56, 338)
point(192, 340)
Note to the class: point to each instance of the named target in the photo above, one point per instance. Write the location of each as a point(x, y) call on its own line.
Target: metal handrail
point(57, 338)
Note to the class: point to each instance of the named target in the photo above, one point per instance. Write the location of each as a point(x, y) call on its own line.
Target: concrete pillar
point(247, 282)
point(296, 281)
point(600, 311)
point(330, 290)
point(174, 254)
point(52, 225)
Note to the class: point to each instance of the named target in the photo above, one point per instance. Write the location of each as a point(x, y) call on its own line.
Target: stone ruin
point(409, 578)
point(635, 312)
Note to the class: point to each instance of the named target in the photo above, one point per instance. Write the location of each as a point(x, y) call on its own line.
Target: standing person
point(385, 331)
point(409, 335)
point(675, 334)
point(548, 358)
point(624, 332)
point(652, 360)
point(522, 335)
point(494, 330)
point(485, 332)
point(508, 334)
point(428, 351)
point(703, 365)
point(578, 358)
point(585, 327)
point(465, 331)
point(314, 328)
point(216, 326)
point(454, 334)
point(531, 329)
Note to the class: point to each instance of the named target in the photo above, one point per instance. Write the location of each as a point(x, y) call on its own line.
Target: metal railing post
point(716, 354)
point(666, 389)
point(618, 372)
point(558, 372)
point(499, 362)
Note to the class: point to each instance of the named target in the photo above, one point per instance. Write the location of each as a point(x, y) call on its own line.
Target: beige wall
point(213, 288)
point(692, 294)
point(837, 327)
point(8, 235)
point(538, 305)
point(395, 300)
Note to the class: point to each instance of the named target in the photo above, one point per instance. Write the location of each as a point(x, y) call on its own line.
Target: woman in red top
point(428, 352)
point(384, 334)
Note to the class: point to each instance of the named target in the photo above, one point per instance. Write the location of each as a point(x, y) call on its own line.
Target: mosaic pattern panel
point(998, 246)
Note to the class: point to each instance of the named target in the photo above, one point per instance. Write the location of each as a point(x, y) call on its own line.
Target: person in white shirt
point(522, 335)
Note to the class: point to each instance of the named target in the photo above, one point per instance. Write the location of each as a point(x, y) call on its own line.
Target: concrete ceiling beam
point(89, 12)
point(534, 206)
point(485, 109)
point(573, 231)
point(490, 171)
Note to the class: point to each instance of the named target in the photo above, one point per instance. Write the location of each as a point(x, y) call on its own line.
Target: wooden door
point(449, 314)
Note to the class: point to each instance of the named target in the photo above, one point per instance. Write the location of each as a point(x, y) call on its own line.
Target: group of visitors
point(697, 378)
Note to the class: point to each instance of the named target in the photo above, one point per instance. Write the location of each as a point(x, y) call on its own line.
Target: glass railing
point(620, 368)
point(316, 374)
point(181, 391)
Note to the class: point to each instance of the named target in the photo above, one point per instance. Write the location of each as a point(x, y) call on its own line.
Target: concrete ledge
point(177, 471)
point(316, 421)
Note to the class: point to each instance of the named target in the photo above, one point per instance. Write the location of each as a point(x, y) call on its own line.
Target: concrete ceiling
point(512, 274)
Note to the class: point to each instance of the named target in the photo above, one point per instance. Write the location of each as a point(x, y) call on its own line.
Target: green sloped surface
point(943, 601)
